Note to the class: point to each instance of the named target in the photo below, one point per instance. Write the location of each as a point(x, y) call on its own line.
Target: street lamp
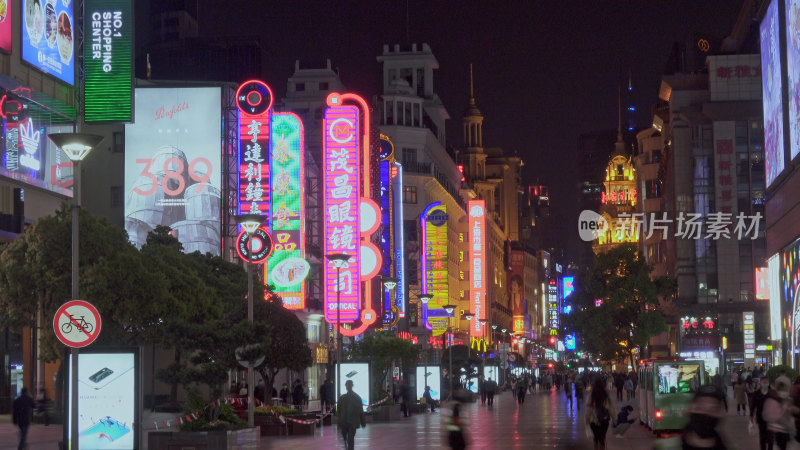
point(483, 354)
point(76, 146)
point(449, 309)
point(425, 298)
point(389, 283)
point(250, 224)
point(339, 261)
point(494, 339)
point(469, 316)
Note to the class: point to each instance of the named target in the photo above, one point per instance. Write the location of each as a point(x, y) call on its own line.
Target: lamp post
point(425, 298)
point(76, 146)
point(469, 317)
point(449, 309)
point(250, 224)
point(339, 260)
point(389, 283)
point(494, 339)
point(483, 354)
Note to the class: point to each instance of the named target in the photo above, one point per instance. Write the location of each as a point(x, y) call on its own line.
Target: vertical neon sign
point(433, 223)
point(286, 268)
point(387, 224)
point(477, 258)
point(254, 100)
point(341, 211)
point(399, 239)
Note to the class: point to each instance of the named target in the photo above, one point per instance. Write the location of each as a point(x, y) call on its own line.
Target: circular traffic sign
point(77, 323)
point(261, 243)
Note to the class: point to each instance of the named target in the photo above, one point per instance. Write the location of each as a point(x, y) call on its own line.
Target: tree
point(381, 349)
point(628, 314)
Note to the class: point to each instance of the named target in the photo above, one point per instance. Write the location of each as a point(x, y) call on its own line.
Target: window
point(323, 86)
point(409, 157)
point(410, 194)
point(116, 196)
point(119, 143)
point(299, 87)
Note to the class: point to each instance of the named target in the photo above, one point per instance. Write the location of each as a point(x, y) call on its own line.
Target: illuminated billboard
point(399, 239)
point(552, 304)
point(762, 283)
point(772, 82)
point(477, 264)
point(254, 101)
point(172, 166)
point(358, 373)
point(774, 269)
point(790, 293)
point(47, 37)
point(569, 285)
point(287, 268)
point(5, 25)
point(793, 64)
point(107, 400)
point(429, 376)
point(433, 223)
point(342, 176)
point(516, 288)
point(108, 60)
point(387, 171)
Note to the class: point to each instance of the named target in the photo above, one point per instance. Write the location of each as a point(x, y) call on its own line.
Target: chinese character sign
point(434, 266)
point(477, 264)
point(399, 240)
point(287, 268)
point(341, 211)
point(552, 304)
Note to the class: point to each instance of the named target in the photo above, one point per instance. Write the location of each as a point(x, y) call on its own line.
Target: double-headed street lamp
point(250, 224)
point(76, 146)
point(339, 261)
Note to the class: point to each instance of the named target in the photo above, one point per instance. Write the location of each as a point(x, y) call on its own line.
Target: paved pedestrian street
point(543, 421)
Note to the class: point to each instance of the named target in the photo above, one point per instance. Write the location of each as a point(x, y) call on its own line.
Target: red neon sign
point(477, 264)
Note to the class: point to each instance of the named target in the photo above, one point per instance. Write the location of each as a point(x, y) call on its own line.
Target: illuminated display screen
point(47, 37)
point(286, 267)
point(793, 64)
point(772, 83)
point(569, 341)
point(433, 379)
point(762, 283)
point(253, 163)
point(341, 211)
point(434, 266)
point(477, 264)
point(172, 166)
point(775, 316)
point(108, 62)
point(387, 224)
point(399, 239)
point(359, 374)
point(749, 330)
point(552, 304)
point(5, 25)
point(569, 285)
point(790, 291)
point(107, 391)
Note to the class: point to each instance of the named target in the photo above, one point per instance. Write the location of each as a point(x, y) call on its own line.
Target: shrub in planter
point(221, 418)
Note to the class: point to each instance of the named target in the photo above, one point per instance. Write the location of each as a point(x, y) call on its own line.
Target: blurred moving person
point(350, 415)
point(705, 412)
point(599, 410)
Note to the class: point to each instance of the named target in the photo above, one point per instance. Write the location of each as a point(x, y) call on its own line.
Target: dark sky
point(545, 70)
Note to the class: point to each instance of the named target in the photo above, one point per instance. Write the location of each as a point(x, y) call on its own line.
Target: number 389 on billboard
point(171, 176)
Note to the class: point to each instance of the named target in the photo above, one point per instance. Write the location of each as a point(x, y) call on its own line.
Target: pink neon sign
point(477, 264)
point(341, 210)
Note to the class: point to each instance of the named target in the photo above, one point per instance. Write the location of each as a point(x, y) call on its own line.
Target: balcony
point(417, 168)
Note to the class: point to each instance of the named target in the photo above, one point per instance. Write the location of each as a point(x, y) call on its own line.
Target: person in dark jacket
point(429, 398)
point(23, 415)
point(325, 395)
point(297, 394)
point(284, 395)
point(405, 397)
point(765, 437)
point(350, 415)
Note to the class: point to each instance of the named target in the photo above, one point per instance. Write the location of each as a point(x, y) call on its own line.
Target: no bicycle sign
point(77, 323)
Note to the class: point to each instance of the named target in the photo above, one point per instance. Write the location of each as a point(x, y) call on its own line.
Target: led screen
point(5, 25)
point(790, 291)
point(771, 85)
point(286, 267)
point(172, 166)
point(399, 239)
point(516, 289)
point(47, 37)
point(678, 378)
point(108, 60)
point(477, 264)
point(434, 380)
point(793, 65)
point(359, 374)
point(433, 223)
point(106, 400)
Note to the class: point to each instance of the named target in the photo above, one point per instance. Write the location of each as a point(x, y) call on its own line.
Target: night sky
point(545, 71)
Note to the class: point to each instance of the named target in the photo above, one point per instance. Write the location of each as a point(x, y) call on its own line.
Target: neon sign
point(477, 256)
point(387, 224)
point(552, 304)
point(286, 268)
point(254, 100)
point(399, 240)
point(569, 285)
point(433, 223)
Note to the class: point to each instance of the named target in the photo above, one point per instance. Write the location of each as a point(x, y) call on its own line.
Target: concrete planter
point(388, 413)
point(247, 439)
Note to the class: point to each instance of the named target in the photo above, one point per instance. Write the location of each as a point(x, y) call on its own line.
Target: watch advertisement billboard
point(433, 377)
point(108, 60)
point(172, 166)
point(107, 400)
point(772, 82)
point(47, 37)
point(358, 373)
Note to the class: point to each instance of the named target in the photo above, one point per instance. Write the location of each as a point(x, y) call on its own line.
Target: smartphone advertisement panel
point(359, 374)
point(434, 380)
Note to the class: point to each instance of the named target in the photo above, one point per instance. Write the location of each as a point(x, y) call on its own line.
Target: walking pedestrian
point(324, 395)
point(23, 416)
point(568, 390)
point(491, 388)
point(522, 388)
point(740, 395)
point(429, 398)
point(284, 394)
point(350, 415)
point(599, 410)
point(778, 413)
point(297, 394)
point(619, 384)
point(482, 389)
point(629, 387)
point(765, 440)
point(579, 388)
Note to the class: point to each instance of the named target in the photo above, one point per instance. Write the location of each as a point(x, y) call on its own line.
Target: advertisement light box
point(359, 374)
point(48, 37)
point(434, 380)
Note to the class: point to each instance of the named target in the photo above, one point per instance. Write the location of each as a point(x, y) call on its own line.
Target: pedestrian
point(579, 388)
point(705, 413)
point(23, 416)
point(765, 439)
point(624, 421)
point(568, 390)
point(629, 387)
point(323, 395)
point(259, 392)
point(429, 398)
point(599, 410)
point(778, 413)
point(405, 398)
point(297, 394)
point(522, 388)
point(482, 389)
point(619, 384)
point(750, 388)
point(350, 415)
point(491, 388)
point(284, 395)
point(740, 395)
point(306, 394)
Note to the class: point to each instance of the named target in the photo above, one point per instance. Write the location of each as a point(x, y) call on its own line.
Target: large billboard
point(516, 289)
point(793, 66)
point(48, 37)
point(477, 265)
point(108, 60)
point(287, 267)
point(772, 81)
point(431, 375)
point(387, 172)
point(341, 212)
point(399, 239)
point(433, 223)
point(5, 25)
point(790, 294)
point(172, 166)
point(107, 400)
